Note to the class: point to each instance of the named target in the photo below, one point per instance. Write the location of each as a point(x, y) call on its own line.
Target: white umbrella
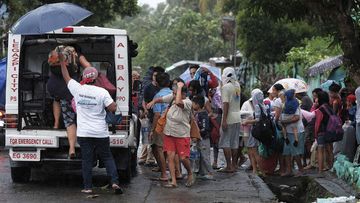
point(292, 83)
point(215, 70)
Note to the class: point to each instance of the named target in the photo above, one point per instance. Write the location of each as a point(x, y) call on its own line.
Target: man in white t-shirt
point(92, 128)
point(229, 138)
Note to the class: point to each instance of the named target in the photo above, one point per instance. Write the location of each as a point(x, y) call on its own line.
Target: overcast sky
point(152, 3)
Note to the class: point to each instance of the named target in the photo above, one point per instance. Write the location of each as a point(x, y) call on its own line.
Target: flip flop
point(159, 179)
point(287, 175)
point(215, 167)
point(170, 185)
point(117, 189)
point(191, 182)
point(156, 169)
point(300, 174)
point(87, 191)
point(224, 170)
point(242, 161)
point(179, 177)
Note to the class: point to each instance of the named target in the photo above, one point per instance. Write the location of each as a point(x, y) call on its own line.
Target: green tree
point(262, 38)
point(315, 50)
point(337, 18)
point(172, 33)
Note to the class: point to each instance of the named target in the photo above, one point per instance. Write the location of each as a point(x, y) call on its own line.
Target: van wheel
point(125, 175)
point(134, 164)
point(20, 174)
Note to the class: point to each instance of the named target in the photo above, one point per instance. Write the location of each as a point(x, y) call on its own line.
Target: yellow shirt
point(230, 93)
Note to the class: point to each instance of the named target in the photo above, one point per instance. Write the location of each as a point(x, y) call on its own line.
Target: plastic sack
point(356, 175)
point(350, 199)
point(263, 151)
point(358, 184)
point(145, 130)
point(347, 166)
point(339, 165)
point(113, 119)
point(194, 157)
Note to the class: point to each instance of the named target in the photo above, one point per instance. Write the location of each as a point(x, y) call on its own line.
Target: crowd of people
point(282, 130)
point(301, 133)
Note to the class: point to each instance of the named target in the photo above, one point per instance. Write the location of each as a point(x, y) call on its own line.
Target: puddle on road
point(296, 189)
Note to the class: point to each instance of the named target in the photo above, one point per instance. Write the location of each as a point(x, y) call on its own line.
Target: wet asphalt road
point(65, 186)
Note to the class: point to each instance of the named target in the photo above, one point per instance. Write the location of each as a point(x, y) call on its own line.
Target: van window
point(105, 68)
point(102, 67)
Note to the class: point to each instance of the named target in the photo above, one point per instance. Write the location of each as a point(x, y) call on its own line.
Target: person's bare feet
point(190, 180)
point(308, 167)
point(225, 170)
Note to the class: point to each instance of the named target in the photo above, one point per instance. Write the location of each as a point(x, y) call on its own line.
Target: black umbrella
point(50, 17)
point(326, 64)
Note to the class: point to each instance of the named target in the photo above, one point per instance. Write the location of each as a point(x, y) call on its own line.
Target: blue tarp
point(2, 82)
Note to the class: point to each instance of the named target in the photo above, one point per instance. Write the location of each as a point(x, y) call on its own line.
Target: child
point(202, 119)
point(351, 107)
point(290, 107)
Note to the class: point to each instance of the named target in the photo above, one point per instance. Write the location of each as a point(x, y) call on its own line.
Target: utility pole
point(229, 33)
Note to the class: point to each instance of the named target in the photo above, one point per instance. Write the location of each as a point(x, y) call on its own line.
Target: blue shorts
point(68, 113)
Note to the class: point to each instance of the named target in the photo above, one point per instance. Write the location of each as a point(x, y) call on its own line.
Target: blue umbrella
point(325, 86)
point(50, 17)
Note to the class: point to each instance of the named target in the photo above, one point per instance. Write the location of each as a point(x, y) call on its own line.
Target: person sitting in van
point(92, 129)
point(61, 94)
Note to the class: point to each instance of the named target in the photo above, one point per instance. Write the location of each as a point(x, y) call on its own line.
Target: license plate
point(117, 141)
point(1, 123)
point(24, 155)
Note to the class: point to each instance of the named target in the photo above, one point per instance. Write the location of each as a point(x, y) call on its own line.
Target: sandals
point(159, 179)
point(87, 191)
point(170, 185)
point(224, 170)
point(300, 174)
point(242, 161)
point(287, 175)
point(191, 182)
point(180, 177)
point(117, 189)
point(215, 167)
point(156, 169)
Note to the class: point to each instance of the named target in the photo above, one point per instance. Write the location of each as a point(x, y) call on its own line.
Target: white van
point(29, 133)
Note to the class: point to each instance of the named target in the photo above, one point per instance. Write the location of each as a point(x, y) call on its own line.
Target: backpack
point(264, 130)
point(334, 131)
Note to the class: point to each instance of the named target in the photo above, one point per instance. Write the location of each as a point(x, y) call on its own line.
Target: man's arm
point(112, 107)
point(84, 62)
point(64, 70)
point(155, 120)
point(225, 114)
point(293, 119)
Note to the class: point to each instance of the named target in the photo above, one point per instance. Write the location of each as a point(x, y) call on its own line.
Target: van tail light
point(11, 120)
point(68, 29)
point(2, 115)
